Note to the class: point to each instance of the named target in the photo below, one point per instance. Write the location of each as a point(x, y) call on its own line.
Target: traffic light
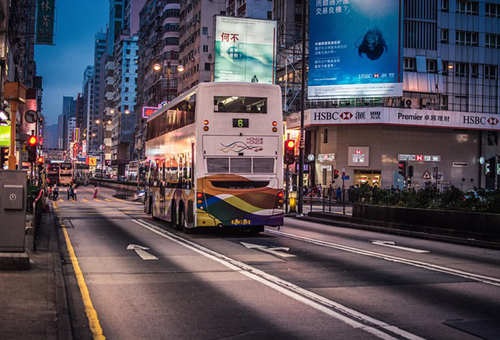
point(410, 171)
point(40, 161)
point(335, 174)
point(32, 148)
point(290, 151)
point(492, 166)
point(402, 168)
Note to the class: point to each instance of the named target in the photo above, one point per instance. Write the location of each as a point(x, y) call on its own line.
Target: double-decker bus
point(52, 173)
point(215, 158)
point(81, 173)
point(65, 173)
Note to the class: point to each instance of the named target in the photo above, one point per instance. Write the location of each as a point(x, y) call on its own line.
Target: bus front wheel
point(152, 211)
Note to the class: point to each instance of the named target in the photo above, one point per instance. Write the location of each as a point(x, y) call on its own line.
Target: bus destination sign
point(240, 122)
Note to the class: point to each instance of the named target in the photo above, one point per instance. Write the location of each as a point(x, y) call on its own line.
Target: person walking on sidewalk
point(96, 190)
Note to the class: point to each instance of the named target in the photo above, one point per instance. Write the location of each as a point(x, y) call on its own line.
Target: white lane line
point(429, 266)
point(391, 244)
point(334, 309)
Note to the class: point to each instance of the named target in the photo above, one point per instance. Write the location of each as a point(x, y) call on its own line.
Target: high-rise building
point(196, 40)
point(89, 130)
point(158, 45)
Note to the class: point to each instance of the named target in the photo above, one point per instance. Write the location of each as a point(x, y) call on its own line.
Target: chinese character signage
point(45, 22)
point(245, 50)
point(4, 136)
point(148, 111)
point(355, 49)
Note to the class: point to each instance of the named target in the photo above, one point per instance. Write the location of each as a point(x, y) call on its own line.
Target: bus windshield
point(238, 104)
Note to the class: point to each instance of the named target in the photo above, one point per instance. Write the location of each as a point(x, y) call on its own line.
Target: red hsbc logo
point(493, 121)
point(376, 75)
point(419, 158)
point(346, 115)
point(358, 152)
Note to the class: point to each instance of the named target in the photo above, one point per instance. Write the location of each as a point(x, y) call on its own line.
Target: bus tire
point(182, 222)
point(174, 217)
point(152, 211)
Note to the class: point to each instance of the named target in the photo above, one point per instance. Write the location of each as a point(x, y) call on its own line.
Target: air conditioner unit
point(210, 56)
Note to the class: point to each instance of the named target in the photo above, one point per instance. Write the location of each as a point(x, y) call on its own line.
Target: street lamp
point(157, 67)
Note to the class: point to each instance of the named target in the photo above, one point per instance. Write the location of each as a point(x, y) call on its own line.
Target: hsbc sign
point(396, 116)
point(419, 158)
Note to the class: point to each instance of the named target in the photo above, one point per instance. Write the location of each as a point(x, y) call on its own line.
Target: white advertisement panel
point(236, 145)
point(245, 50)
point(397, 116)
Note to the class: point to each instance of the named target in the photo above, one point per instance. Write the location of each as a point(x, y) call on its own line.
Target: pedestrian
point(55, 192)
point(320, 190)
point(339, 194)
point(74, 192)
point(96, 190)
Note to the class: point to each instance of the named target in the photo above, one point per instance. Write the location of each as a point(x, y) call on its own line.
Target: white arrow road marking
point(273, 250)
point(141, 251)
point(391, 244)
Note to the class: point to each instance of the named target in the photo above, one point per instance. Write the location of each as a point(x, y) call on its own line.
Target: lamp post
point(157, 67)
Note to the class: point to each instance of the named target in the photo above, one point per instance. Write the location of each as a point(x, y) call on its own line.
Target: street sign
point(345, 178)
point(426, 175)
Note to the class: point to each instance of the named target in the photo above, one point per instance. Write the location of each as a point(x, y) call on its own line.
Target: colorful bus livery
point(232, 200)
point(215, 158)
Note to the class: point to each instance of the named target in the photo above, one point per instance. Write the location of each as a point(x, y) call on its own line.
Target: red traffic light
point(290, 144)
point(40, 160)
point(32, 141)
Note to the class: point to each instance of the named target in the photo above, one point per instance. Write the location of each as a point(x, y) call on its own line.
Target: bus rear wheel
point(151, 209)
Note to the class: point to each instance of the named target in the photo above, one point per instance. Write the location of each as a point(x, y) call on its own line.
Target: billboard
point(4, 136)
point(245, 50)
point(355, 49)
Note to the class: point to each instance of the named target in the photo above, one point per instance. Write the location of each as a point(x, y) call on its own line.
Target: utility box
point(13, 201)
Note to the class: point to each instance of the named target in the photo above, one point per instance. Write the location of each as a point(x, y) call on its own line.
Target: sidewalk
point(34, 303)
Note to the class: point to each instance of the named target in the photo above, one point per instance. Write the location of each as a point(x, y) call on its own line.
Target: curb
point(415, 234)
point(64, 329)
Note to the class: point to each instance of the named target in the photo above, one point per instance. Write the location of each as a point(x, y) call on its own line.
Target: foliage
point(452, 198)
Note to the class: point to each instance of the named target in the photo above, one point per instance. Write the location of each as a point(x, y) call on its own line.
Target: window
point(325, 136)
point(204, 30)
point(492, 10)
point(468, 7)
point(205, 48)
point(444, 36)
point(207, 66)
point(169, 41)
point(240, 104)
point(492, 41)
point(172, 13)
point(462, 70)
point(490, 72)
point(445, 5)
point(466, 38)
point(269, 15)
point(177, 117)
point(409, 64)
point(431, 66)
point(474, 71)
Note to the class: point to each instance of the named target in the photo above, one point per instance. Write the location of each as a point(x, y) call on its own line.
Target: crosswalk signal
point(335, 174)
point(402, 168)
point(40, 161)
point(32, 141)
point(290, 151)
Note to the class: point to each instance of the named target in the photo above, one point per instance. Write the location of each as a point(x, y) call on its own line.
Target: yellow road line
point(107, 200)
point(95, 325)
point(85, 200)
point(97, 200)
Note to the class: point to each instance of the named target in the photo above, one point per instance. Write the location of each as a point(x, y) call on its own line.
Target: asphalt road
point(306, 281)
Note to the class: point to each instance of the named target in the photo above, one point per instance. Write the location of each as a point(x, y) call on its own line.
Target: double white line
point(334, 309)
